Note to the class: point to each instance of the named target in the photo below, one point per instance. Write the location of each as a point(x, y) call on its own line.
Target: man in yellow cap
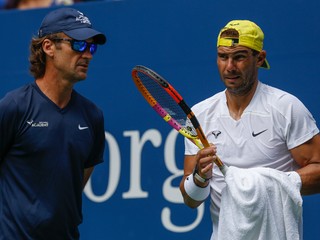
point(250, 124)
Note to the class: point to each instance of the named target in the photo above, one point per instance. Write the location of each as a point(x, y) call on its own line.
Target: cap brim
point(265, 64)
point(85, 33)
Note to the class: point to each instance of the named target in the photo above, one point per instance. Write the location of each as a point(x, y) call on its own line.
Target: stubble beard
point(242, 90)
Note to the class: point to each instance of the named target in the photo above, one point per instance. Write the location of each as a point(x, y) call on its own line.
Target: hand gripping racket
point(169, 104)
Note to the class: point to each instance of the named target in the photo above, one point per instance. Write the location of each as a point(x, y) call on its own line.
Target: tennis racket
point(169, 104)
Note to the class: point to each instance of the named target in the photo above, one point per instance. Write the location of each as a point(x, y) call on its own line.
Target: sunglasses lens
point(79, 46)
point(93, 48)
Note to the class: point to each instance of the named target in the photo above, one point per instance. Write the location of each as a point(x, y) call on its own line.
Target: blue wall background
point(134, 194)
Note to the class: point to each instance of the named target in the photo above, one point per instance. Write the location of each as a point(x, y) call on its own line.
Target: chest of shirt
point(52, 131)
point(255, 138)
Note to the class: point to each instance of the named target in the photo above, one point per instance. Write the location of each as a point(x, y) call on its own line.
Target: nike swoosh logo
point(258, 133)
point(82, 128)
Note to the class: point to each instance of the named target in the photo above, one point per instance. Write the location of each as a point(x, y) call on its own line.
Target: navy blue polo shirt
point(43, 153)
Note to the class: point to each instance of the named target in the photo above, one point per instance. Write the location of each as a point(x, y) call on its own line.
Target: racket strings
point(168, 103)
point(163, 98)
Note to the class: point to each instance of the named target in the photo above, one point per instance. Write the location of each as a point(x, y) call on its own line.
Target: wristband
point(195, 192)
point(198, 177)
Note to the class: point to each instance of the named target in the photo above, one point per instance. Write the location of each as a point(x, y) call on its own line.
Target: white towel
point(260, 204)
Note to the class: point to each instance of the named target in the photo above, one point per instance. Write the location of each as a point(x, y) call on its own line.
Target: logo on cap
point(71, 22)
point(82, 18)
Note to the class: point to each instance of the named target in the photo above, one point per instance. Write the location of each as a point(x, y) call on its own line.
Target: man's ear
point(261, 57)
point(48, 47)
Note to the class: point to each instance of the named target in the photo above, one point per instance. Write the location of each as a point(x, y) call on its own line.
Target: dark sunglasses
point(79, 45)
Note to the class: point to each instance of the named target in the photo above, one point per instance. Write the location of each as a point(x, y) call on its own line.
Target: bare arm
point(204, 160)
point(86, 176)
point(307, 156)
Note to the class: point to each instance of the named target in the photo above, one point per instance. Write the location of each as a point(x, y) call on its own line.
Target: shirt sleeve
point(9, 124)
point(96, 155)
point(299, 126)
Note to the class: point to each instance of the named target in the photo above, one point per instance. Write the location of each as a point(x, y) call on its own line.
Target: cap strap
point(228, 42)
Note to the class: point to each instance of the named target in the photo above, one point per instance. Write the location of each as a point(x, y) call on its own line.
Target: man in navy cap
point(51, 136)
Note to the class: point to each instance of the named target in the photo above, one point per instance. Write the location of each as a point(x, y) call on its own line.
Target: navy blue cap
point(71, 22)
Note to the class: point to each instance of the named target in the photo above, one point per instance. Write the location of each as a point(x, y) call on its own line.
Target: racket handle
point(223, 169)
point(218, 162)
point(205, 143)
